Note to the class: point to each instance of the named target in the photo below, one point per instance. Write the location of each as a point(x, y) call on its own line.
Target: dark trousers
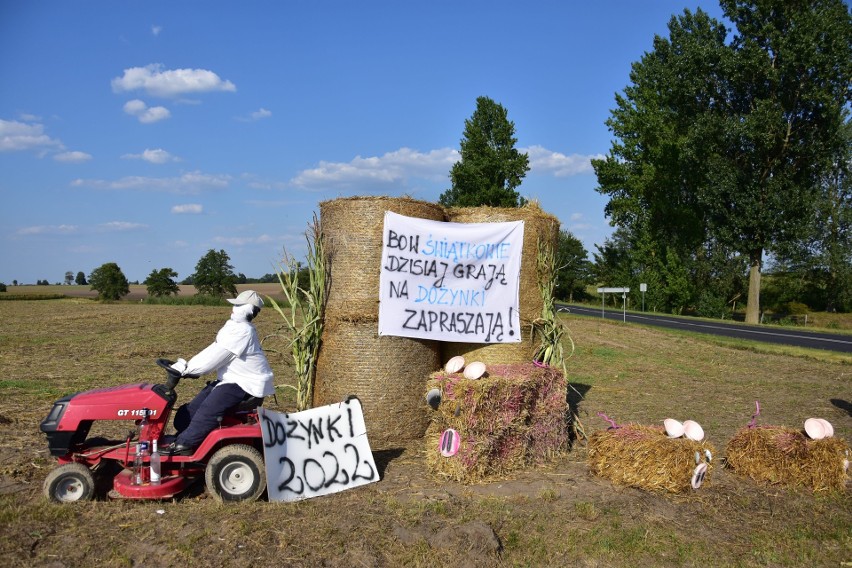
point(200, 416)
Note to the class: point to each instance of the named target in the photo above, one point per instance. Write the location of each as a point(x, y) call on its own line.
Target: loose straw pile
point(784, 456)
point(644, 457)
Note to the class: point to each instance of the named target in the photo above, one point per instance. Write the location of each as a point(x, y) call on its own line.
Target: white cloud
point(400, 166)
point(256, 115)
point(156, 81)
point(49, 230)
point(243, 241)
point(15, 136)
point(544, 161)
point(144, 113)
point(188, 208)
point(155, 30)
point(393, 167)
point(65, 230)
point(187, 183)
point(72, 157)
point(157, 156)
point(116, 226)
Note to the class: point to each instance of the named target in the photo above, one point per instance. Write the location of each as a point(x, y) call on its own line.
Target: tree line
point(214, 277)
point(730, 160)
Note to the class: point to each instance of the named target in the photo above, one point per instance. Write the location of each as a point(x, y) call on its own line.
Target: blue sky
point(147, 133)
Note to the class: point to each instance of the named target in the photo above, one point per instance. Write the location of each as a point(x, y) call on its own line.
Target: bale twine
point(513, 417)
point(783, 456)
point(644, 457)
point(538, 227)
point(352, 236)
point(385, 373)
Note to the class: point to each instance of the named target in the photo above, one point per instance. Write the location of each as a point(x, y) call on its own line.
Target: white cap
point(247, 297)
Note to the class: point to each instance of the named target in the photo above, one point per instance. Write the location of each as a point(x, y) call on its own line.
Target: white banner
point(316, 452)
point(450, 281)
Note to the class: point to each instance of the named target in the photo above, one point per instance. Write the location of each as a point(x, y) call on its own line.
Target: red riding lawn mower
point(230, 458)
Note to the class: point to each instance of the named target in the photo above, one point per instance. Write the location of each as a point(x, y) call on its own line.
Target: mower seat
point(241, 410)
point(248, 403)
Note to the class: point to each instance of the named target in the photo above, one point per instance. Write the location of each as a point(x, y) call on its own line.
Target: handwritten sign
point(316, 452)
point(450, 281)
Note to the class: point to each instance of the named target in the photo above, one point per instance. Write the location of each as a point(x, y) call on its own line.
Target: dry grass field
point(557, 515)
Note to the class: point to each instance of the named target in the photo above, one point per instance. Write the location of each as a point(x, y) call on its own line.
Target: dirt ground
point(557, 514)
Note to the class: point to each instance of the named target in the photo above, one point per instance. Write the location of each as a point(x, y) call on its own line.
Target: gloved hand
point(179, 366)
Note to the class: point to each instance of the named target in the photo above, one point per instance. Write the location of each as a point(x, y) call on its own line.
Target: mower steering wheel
point(173, 375)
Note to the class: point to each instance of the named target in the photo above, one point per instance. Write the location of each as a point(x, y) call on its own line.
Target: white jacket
point(236, 355)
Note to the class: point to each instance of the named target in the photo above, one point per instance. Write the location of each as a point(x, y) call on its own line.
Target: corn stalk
point(548, 327)
point(303, 313)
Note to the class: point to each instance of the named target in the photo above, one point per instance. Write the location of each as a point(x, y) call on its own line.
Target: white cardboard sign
point(450, 281)
point(317, 451)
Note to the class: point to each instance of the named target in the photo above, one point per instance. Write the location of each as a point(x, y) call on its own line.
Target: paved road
point(768, 334)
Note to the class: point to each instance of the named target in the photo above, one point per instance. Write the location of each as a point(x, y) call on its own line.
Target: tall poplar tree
point(491, 168)
point(728, 140)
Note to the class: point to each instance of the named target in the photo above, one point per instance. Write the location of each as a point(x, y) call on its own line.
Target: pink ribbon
point(754, 416)
point(612, 423)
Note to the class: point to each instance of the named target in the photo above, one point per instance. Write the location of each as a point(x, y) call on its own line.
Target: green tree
point(214, 275)
point(490, 167)
point(572, 268)
point(80, 280)
point(819, 266)
point(730, 140)
point(161, 283)
point(69, 278)
point(109, 281)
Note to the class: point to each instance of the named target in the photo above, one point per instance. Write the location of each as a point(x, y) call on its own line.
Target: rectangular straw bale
point(783, 456)
point(513, 417)
point(644, 457)
point(480, 457)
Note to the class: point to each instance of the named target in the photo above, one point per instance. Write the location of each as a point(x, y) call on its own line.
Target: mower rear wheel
point(236, 473)
point(70, 483)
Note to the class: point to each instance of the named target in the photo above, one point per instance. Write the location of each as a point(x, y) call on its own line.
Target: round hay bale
point(493, 353)
point(783, 456)
point(538, 227)
point(386, 373)
point(352, 236)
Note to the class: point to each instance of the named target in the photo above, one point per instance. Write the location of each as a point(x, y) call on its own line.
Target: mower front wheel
point(70, 483)
point(236, 473)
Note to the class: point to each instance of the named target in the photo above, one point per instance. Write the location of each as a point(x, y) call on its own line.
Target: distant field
point(137, 291)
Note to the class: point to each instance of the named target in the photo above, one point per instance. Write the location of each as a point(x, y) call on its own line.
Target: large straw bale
point(386, 373)
point(494, 353)
point(352, 236)
point(783, 456)
point(513, 417)
point(644, 457)
point(539, 228)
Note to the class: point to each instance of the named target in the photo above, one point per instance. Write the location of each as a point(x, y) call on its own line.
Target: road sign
point(623, 291)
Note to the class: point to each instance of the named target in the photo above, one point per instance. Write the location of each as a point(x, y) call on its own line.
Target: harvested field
point(553, 514)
